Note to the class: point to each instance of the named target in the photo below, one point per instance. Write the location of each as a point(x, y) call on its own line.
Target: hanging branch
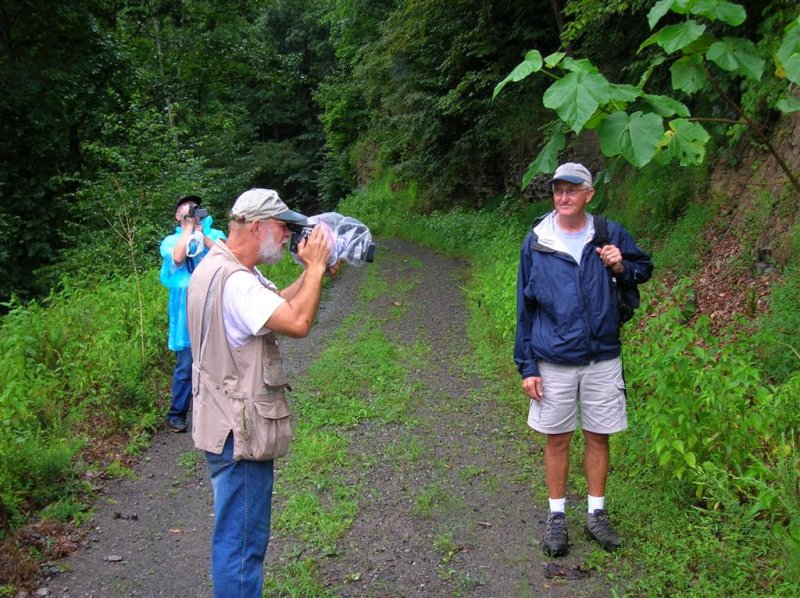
point(754, 128)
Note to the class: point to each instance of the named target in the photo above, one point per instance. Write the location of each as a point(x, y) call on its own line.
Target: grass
point(299, 578)
point(190, 462)
point(431, 500)
point(360, 376)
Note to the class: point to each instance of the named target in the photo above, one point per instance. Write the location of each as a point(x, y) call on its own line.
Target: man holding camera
point(241, 417)
point(567, 345)
point(180, 253)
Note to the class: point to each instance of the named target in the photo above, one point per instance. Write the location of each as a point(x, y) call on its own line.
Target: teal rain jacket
point(176, 279)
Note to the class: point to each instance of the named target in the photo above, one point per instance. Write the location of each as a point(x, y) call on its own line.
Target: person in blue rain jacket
point(180, 253)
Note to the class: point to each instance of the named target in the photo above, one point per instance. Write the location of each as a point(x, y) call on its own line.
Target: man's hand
point(188, 223)
point(532, 387)
point(612, 258)
point(314, 249)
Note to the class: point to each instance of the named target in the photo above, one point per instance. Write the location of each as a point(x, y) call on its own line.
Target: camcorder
point(198, 212)
point(349, 239)
point(299, 232)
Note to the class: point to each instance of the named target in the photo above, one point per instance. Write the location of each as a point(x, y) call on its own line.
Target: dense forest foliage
point(117, 107)
point(109, 110)
point(125, 105)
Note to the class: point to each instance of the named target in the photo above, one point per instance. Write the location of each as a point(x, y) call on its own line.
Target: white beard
point(271, 251)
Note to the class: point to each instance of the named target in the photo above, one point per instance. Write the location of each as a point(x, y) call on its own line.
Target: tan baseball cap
point(260, 204)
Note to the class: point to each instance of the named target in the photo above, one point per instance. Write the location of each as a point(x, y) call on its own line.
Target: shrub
point(85, 357)
point(710, 420)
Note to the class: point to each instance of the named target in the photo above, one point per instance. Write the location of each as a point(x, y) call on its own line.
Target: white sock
point(558, 505)
point(596, 502)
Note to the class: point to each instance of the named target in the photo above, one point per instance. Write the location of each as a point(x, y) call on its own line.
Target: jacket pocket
point(264, 427)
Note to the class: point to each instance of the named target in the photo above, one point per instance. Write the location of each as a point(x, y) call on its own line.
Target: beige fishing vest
point(239, 390)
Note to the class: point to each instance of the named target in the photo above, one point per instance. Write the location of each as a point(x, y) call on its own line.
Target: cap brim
point(186, 198)
point(570, 179)
point(291, 216)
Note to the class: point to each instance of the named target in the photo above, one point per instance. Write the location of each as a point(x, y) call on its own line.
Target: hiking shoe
point(556, 538)
point(176, 424)
point(599, 529)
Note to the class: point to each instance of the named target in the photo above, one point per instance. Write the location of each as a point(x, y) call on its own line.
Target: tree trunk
point(556, 6)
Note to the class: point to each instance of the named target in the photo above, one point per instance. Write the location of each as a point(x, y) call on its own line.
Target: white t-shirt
point(574, 242)
point(248, 301)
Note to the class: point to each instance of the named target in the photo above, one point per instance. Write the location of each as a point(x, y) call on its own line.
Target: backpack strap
point(627, 299)
point(600, 230)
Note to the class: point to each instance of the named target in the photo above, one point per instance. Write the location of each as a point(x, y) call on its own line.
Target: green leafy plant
point(638, 126)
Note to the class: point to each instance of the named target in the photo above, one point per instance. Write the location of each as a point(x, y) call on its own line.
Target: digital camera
point(198, 212)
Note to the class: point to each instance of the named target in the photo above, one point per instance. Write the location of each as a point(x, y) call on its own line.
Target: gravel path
point(150, 534)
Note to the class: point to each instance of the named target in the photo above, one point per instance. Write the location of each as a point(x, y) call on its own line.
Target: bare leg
point(556, 463)
point(595, 462)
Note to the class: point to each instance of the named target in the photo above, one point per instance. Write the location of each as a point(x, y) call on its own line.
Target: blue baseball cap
point(572, 172)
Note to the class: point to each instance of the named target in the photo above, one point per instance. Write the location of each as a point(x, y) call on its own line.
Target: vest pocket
point(264, 427)
point(272, 363)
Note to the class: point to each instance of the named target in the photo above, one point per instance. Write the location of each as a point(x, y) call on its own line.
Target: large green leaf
point(688, 141)
point(532, 63)
point(582, 65)
point(636, 137)
point(547, 160)
point(688, 74)
point(719, 10)
point(659, 9)
point(788, 104)
point(576, 96)
point(675, 37)
point(623, 93)
point(700, 45)
point(553, 59)
point(737, 54)
point(665, 106)
point(788, 56)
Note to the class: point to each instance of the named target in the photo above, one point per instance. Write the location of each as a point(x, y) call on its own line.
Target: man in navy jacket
point(567, 347)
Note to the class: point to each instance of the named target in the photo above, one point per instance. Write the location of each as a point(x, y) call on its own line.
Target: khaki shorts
point(599, 388)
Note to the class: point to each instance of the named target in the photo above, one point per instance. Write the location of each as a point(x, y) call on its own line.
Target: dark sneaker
point(556, 538)
point(599, 529)
point(176, 424)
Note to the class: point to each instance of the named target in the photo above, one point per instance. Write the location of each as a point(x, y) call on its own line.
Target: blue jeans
point(242, 510)
point(181, 385)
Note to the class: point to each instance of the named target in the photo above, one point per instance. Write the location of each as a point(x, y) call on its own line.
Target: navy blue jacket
point(567, 313)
